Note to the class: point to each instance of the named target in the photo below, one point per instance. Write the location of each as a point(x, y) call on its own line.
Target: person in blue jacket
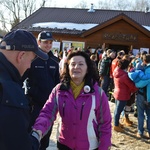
point(41, 78)
point(142, 78)
point(142, 81)
point(17, 50)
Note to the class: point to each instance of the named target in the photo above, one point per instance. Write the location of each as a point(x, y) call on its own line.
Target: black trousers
point(64, 147)
point(45, 140)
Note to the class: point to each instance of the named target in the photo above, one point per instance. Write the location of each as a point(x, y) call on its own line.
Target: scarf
point(76, 89)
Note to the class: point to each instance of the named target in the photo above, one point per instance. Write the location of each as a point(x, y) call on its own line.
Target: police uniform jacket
point(14, 110)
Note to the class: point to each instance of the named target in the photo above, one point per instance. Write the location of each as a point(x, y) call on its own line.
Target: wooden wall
point(118, 33)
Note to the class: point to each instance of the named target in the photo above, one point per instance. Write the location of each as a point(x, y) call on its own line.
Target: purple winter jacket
point(85, 121)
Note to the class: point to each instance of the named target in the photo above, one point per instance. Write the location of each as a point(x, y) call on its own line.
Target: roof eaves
point(56, 30)
point(136, 25)
point(113, 20)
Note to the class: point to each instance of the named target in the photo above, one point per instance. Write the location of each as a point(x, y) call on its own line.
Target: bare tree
point(82, 4)
point(137, 5)
point(28, 7)
point(43, 3)
point(123, 5)
point(17, 10)
point(13, 8)
point(141, 5)
point(3, 21)
point(104, 4)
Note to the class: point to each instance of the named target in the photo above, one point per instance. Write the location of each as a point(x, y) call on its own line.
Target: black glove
point(35, 140)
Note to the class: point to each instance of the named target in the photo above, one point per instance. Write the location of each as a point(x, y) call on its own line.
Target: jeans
point(105, 83)
point(141, 110)
point(118, 109)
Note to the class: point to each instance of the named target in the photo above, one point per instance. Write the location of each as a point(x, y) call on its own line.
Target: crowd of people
point(125, 77)
point(38, 84)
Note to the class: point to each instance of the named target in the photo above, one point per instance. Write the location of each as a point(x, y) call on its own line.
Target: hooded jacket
point(104, 68)
point(123, 85)
point(85, 121)
point(142, 79)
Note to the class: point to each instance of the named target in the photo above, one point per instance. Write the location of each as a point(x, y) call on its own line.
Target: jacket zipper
point(64, 103)
point(82, 110)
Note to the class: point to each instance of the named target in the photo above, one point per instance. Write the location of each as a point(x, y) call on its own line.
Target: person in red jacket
point(123, 90)
point(114, 63)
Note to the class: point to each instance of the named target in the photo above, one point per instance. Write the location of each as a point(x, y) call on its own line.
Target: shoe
point(111, 97)
point(138, 135)
point(130, 122)
point(129, 110)
point(147, 104)
point(135, 111)
point(135, 114)
point(127, 122)
point(121, 125)
point(148, 135)
point(118, 129)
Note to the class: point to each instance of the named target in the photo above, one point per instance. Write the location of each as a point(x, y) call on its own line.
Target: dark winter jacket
point(14, 110)
point(104, 69)
point(42, 77)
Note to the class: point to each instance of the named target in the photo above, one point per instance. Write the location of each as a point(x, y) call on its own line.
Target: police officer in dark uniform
point(41, 79)
point(17, 50)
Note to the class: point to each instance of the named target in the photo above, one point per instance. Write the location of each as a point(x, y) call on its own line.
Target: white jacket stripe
point(93, 142)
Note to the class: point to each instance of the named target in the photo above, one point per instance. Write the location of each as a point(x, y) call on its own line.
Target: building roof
point(78, 16)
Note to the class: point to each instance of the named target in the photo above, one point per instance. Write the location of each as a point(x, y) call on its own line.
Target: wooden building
point(115, 29)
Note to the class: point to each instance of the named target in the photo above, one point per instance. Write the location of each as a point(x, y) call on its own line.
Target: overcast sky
point(71, 3)
point(74, 3)
point(79, 3)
